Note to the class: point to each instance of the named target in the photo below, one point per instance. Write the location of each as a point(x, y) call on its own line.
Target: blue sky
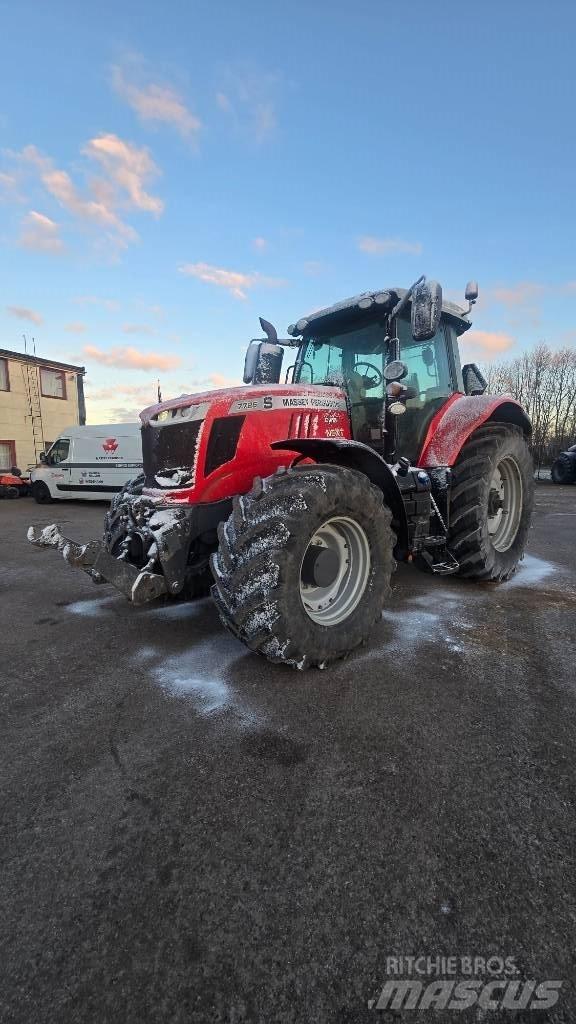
point(171, 172)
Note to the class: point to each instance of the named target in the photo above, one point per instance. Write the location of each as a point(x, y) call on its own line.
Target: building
point(39, 398)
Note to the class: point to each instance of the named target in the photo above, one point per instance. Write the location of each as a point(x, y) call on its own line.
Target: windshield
point(354, 360)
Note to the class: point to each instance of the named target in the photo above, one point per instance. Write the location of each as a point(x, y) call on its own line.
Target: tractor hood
point(191, 445)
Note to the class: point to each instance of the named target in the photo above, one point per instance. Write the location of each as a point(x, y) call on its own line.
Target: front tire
point(491, 502)
point(563, 470)
point(41, 493)
point(304, 563)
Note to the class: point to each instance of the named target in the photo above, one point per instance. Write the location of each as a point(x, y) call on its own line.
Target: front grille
point(169, 453)
point(223, 441)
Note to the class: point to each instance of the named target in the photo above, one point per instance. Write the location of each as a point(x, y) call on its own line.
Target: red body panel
point(272, 411)
point(453, 424)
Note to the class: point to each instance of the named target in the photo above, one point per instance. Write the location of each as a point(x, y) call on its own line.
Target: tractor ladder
point(30, 376)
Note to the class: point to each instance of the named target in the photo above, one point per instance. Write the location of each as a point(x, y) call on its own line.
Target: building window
point(7, 454)
point(52, 383)
point(4, 376)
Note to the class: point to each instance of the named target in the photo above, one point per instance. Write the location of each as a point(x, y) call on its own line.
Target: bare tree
point(544, 382)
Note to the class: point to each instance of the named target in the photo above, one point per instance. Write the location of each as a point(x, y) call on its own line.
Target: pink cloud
point(485, 345)
point(234, 281)
point(519, 294)
point(131, 358)
point(157, 103)
point(23, 313)
point(75, 327)
point(40, 233)
point(128, 168)
point(260, 243)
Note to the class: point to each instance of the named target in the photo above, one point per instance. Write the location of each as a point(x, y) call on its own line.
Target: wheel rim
point(505, 504)
point(342, 544)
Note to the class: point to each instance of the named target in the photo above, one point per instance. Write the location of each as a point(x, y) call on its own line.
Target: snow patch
point(92, 609)
point(198, 673)
point(532, 571)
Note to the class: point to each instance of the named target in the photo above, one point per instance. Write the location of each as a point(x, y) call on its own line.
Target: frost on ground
point(532, 571)
point(199, 673)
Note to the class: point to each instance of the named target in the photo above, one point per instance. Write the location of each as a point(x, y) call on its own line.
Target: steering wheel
point(370, 382)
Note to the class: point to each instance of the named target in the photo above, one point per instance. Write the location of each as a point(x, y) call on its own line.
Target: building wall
point(15, 420)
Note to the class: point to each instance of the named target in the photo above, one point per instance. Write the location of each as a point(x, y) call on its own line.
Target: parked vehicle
point(91, 462)
point(296, 499)
point(564, 468)
point(13, 484)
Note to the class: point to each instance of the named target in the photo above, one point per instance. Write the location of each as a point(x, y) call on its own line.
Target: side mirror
point(43, 457)
point(263, 363)
point(471, 293)
point(426, 310)
point(474, 381)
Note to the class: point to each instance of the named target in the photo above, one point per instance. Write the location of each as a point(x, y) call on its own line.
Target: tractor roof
point(365, 308)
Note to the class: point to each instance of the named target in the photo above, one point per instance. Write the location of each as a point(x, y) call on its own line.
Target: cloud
point(154, 102)
point(313, 268)
point(145, 393)
point(485, 345)
point(10, 188)
point(385, 246)
point(260, 243)
point(234, 281)
point(138, 329)
point(75, 327)
point(519, 294)
point(247, 98)
point(131, 358)
point(127, 167)
point(25, 314)
point(40, 233)
point(125, 171)
point(94, 300)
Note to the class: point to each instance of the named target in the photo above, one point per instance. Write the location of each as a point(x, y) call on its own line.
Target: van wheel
point(41, 493)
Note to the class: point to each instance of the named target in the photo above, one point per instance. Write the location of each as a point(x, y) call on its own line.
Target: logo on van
point(110, 444)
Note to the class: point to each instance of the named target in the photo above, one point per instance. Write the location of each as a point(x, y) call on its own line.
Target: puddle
point(98, 606)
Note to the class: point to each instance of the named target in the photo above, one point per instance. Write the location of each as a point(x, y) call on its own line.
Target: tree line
point(544, 382)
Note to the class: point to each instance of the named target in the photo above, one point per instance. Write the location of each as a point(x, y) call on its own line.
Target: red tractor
point(293, 501)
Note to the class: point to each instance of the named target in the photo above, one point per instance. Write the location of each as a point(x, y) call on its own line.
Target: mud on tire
point(474, 540)
point(257, 568)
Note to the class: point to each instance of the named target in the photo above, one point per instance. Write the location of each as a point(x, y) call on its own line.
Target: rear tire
point(563, 470)
point(295, 602)
point(491, 502)
point(41, 493)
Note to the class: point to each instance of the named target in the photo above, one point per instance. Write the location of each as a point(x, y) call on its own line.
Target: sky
point(170, 172)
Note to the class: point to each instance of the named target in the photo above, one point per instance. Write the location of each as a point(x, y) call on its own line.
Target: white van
point(88, 462)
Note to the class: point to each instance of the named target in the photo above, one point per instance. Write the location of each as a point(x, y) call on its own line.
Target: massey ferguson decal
point(271, 403)
point(110, 445)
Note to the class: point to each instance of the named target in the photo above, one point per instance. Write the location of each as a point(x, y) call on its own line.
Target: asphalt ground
point(189, 834)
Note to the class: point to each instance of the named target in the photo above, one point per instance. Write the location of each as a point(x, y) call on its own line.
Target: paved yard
point(189, 834)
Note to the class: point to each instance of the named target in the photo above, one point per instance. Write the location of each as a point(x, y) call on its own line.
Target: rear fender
point(459, 417)
point(354, 455)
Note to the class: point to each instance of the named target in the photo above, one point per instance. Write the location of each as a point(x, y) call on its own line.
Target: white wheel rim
point(332, 604)
point(505, 504)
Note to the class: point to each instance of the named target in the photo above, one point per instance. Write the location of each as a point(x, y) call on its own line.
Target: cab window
point(59, 451)
point(428, 367)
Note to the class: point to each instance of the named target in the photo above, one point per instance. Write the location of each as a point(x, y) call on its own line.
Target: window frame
point(7, 361)
point(53, 369)
point(12, 445)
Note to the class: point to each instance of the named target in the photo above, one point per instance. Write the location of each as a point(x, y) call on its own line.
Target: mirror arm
point(404, 301)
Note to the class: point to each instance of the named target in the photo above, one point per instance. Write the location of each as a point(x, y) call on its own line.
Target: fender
point(355, 455)
point(459, 417)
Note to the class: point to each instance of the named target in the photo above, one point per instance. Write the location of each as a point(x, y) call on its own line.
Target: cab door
point(59, 463)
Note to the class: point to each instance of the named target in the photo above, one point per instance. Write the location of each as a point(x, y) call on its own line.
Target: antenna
point(25, 345)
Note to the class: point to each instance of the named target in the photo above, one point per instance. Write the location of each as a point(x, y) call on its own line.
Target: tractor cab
point(368, 347)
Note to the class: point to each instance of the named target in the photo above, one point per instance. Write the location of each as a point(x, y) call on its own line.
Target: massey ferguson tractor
point(294, 500)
